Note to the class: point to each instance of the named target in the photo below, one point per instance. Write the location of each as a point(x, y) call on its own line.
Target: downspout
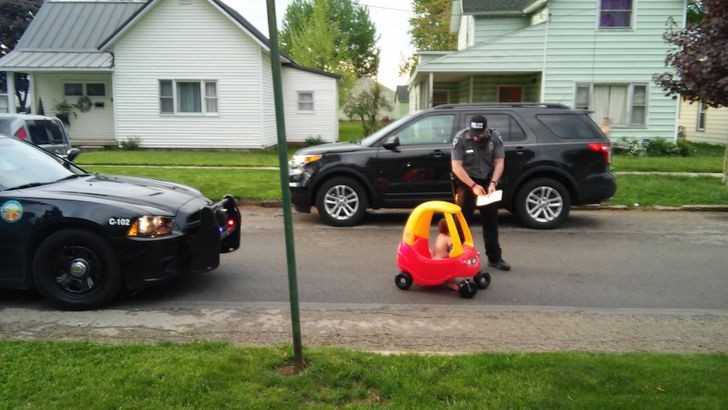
point(545, 54)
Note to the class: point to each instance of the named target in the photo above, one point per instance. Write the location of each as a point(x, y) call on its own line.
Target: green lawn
point(207, 375)
point(180, 157)
point(350, 131)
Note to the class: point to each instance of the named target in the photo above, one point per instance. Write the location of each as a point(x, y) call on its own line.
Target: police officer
point(478, 159)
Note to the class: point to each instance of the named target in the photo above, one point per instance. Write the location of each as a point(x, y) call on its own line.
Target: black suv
point(555, 157)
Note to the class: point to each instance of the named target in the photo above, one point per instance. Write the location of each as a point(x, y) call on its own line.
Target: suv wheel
point(543, 203)
point(341, 201)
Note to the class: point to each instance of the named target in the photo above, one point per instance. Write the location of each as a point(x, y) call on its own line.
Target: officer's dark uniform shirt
point(478, 157)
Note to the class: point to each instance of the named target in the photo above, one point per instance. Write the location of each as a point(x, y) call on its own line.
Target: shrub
point(314, 141)
point(628, 146)
point(660, 147)
point(130, 144)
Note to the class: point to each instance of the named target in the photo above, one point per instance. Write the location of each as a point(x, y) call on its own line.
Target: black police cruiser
point(555, 157)
point(80, 238)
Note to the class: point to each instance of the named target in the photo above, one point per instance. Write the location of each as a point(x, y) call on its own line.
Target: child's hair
point(442, 226)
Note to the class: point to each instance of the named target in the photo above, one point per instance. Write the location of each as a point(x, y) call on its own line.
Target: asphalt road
point(598, 259)
point(638, 260)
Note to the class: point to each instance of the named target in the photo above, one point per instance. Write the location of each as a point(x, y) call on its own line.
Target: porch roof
point(516, 52)
point(56, 61)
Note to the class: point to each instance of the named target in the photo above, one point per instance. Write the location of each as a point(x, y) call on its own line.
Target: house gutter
point(535, 6)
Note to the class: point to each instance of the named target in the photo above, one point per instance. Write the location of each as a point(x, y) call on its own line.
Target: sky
point(391, 18)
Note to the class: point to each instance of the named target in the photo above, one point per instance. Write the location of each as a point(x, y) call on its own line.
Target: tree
point(354, 34)
point(699, 59)
point(15, 16)
point(365, 105)
point(430, 29)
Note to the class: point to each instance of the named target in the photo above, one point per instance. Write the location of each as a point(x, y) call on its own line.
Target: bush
point(314, 141)
point(627, 146)
point(130, 144)
point(660, 147)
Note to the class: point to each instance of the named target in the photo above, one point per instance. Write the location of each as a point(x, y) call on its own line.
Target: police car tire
point(108, 280)
point(536, 188)
point(338, 186)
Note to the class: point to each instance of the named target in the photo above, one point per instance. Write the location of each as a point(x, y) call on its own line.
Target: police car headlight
point(150, 227)
point(301, 160)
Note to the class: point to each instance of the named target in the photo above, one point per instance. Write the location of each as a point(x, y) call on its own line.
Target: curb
point(694, 208)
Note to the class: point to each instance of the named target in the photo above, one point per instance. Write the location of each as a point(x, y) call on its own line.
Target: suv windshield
point(368, 141)
point(22, 164)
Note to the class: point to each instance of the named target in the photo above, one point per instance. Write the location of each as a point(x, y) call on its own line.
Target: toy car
point(415, 260)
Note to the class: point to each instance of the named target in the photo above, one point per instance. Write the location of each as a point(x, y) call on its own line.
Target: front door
point(420, 166)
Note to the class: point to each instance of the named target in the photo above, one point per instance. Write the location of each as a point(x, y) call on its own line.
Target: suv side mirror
point(391, 143)
point(73, 153)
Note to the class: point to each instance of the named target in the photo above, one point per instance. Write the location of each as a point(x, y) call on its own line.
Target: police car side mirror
point(73, 153)
point(391, 143)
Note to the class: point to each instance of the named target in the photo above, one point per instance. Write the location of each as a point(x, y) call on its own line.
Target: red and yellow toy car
point(415, 260)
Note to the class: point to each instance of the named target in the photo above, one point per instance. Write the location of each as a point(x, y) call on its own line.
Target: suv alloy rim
point(544, 204)
point(341, 202)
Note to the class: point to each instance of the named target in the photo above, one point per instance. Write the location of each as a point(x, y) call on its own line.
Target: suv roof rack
point(501, 105)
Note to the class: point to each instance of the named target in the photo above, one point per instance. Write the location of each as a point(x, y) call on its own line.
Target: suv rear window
point(45, 132)
point(570, 126)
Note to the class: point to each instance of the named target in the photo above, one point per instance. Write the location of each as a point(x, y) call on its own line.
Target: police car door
point(419, 167)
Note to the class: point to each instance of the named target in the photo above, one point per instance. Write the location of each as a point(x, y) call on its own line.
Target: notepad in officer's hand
point(489, 199)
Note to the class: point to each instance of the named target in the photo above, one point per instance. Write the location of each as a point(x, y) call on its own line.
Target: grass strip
point(219, 375)
point(667, 164)
point(213, 183)
point(651, 190)
point(179, 157)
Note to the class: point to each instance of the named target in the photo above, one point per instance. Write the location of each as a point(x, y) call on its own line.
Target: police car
point(80, 238)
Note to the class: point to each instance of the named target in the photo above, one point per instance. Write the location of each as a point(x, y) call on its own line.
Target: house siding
point(95, 126)
point(268, 114)
point(578, 52)
point(716, 124)
point(486, 29)
point(323, 122)
point(164, 46)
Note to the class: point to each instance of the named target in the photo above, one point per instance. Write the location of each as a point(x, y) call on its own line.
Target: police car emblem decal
point(11, 211)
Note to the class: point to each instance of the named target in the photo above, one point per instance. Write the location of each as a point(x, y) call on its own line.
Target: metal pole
point(275, 61)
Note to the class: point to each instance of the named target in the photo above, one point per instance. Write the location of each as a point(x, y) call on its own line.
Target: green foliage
point(429, 29)
point(15, 16)
point(333, 35)
point(205, 375)
point(660, 147)
point(697, 58)
point(365, 105)
point(130, 144)
point(311, 141)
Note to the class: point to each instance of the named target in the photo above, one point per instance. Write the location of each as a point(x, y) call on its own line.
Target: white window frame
point(203, 98)
point(632, 20)
point(630, 100)
point(702, 110)
point(299, 102)
point(84, 88)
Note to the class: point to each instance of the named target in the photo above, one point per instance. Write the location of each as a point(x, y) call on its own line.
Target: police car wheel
point(341, 201)
point(77, 269)
point(543, 203)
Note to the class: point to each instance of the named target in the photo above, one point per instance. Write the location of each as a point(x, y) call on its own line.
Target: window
point(510, 94)
point(73, 89)
point(624, 104)
point(615, 14)
point(570, 126)
point(187, 97)
point(77, 89)
point(506, 126)
point(305, 101)
point(434, 129)
point(440, 97)
point(701, 116)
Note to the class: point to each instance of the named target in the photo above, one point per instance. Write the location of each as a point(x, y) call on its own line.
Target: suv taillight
point(605, 148)
point(21, 134)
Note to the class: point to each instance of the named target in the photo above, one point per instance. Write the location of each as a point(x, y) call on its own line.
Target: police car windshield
point(24, 165)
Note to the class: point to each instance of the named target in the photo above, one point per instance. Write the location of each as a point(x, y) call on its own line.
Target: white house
point(168, 73)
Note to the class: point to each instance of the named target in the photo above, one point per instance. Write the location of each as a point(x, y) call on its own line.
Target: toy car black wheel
point(467, 288)
point(341, 201)
point(482, 279)
point(403, 280)
point(77, 269)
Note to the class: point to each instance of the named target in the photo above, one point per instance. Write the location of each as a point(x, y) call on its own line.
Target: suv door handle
point(438, 153)
point(519, 150)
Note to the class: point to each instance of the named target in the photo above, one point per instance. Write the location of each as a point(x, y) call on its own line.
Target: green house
point(593, 54)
